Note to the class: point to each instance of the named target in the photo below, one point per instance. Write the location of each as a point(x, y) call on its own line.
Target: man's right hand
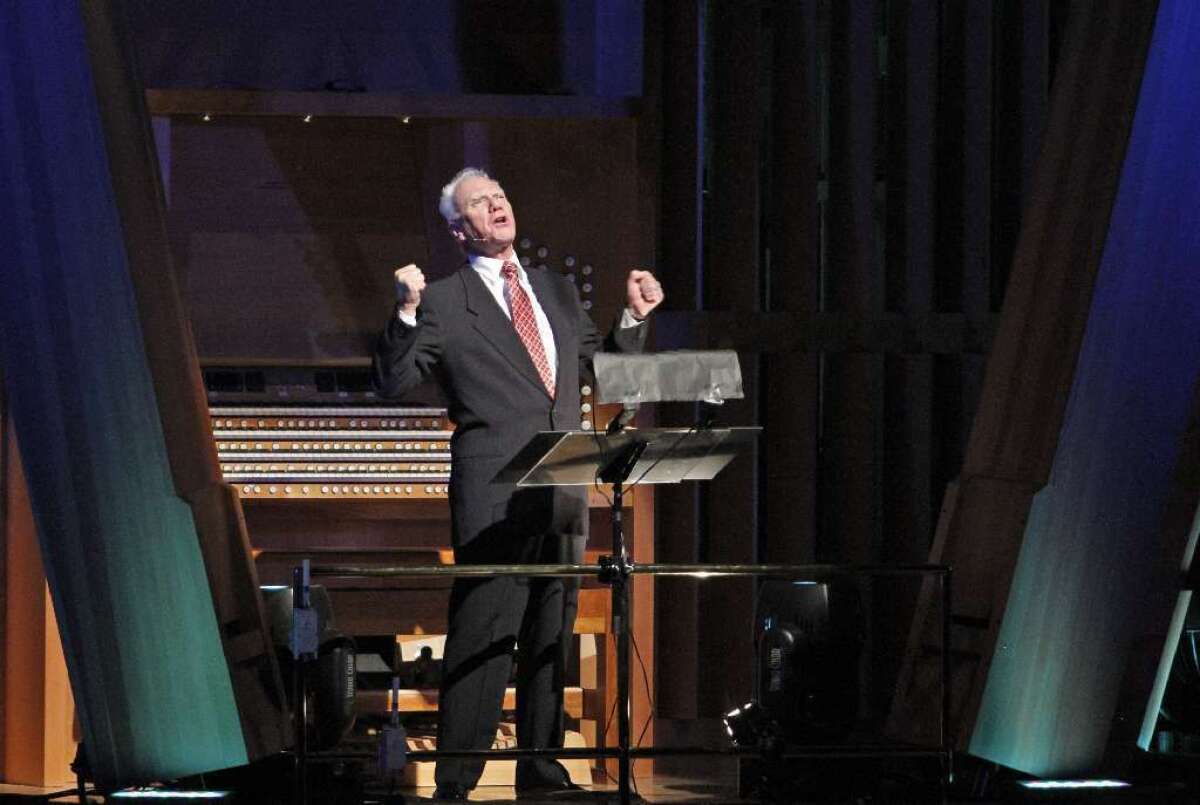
point(409, 284)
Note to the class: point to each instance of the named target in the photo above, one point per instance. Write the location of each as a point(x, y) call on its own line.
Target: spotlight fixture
point(1071, 785)
point(749, 726)
point(163, 793)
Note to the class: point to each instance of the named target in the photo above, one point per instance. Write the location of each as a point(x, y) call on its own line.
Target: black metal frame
point(615, 571)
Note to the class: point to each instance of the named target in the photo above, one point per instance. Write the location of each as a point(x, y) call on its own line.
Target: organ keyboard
point(330, 452)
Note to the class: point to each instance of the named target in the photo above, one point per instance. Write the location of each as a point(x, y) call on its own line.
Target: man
point(509, 348)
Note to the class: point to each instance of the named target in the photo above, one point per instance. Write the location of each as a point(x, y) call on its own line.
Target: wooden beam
point(731, 282)
point(226, 102)
point(676, 29)
point(425, 700)
point(780, 332)
point(791, 388)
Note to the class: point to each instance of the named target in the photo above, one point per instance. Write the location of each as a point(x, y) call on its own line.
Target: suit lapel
point(494, 326)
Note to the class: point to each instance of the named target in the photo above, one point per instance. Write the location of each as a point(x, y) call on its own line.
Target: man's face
point(488, 225)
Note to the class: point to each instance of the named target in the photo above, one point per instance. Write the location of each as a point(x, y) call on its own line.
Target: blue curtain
point(119, 546)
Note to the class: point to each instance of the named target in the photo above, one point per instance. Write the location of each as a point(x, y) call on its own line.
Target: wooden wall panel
point(731, 281)
point(38, 713)
point(908, 417)
point(791, 382)
point(299, 221)
point(309, 219)
point(679, 28)
point(852, 410)
point(886, 195)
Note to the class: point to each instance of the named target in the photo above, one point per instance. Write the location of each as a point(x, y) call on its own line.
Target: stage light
point(748, 725)
point(1057, 785)
point(180, 795)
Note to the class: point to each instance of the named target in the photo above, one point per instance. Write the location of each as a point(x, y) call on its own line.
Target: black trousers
point(491, 620)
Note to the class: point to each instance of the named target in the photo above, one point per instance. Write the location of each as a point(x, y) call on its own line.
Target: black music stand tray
point(647, 455)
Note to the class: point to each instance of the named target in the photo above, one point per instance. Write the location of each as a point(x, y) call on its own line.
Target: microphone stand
point(615, 571)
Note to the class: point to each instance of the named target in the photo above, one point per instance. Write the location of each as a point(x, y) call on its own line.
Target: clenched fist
point(409, 284)
point(643, 293)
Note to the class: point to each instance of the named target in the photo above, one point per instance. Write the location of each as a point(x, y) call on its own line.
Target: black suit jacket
point(497, 402)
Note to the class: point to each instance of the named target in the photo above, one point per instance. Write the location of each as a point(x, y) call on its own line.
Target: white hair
point(446, 204)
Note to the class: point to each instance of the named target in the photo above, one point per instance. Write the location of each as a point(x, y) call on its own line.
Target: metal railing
point(615, 571)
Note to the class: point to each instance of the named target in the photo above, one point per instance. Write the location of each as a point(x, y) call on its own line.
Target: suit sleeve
point(627, 339)
point(405, 356)
point(619, 339)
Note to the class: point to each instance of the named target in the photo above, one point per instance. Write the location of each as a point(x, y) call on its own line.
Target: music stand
point(650, 455)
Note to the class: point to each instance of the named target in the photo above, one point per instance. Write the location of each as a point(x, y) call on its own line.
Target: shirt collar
point(490, 267)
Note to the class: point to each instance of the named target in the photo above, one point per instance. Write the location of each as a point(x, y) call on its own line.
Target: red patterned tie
point(526, 324)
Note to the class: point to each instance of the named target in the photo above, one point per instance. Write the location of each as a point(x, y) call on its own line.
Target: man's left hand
point(643, 293)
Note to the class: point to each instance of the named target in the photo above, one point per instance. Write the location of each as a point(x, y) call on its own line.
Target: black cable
point(603, 450)
point(603, 736)
point(649, 715)
point(666, 453)
point(649, 694)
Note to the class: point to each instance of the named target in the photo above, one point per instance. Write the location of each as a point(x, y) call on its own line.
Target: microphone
point(619, 422)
